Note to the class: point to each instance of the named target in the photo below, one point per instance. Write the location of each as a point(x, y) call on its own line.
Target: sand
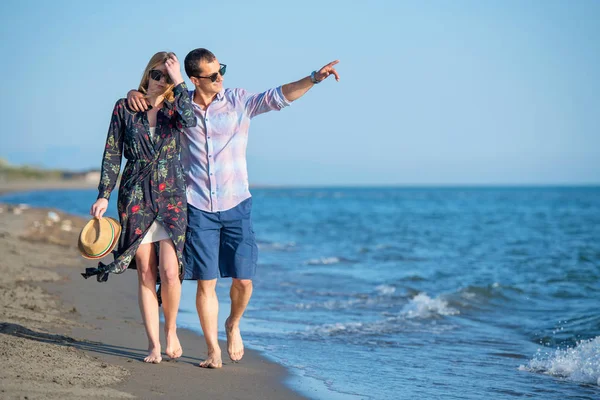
point(63, 337)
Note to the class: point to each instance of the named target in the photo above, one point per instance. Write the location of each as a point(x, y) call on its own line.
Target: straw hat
point(99, 237)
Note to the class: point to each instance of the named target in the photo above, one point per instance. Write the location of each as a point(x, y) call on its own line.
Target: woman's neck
point(155, 100)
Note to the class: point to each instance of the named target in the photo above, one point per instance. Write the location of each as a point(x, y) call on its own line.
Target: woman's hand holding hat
point(99, 208)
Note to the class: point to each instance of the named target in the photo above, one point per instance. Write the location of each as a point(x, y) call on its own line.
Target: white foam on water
point(385, 289)
point(579, 364)
point(364, 331)
point(339, 304)
point(324, 261)
point(422, 306)
point(284, 246)
point(468, 295)
point(333, 329)
point(276, 246)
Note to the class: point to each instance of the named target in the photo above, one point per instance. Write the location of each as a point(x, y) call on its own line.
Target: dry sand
point(63, 337)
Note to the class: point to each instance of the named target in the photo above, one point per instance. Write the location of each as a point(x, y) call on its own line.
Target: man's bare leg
point(207, 306)
point(171, 294)
point(240, 293)
point(145, 259)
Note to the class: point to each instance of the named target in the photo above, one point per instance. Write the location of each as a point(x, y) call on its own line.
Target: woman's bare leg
point(145, 259)
point(171, 294)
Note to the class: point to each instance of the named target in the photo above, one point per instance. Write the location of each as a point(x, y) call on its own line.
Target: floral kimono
point(152, 185)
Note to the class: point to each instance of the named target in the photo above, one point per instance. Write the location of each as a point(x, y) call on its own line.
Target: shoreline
point(90, 334)
point(31, 185)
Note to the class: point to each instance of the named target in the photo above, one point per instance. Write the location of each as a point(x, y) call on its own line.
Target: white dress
point(156, 232)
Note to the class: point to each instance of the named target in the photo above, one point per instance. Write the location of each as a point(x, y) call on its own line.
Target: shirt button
point(210, 155)
point(209, 137)
point(213, 192)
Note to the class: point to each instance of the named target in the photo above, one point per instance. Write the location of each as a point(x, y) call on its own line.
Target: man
point(220, 239)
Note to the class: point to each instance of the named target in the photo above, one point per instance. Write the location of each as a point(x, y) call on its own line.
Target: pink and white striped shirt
point(213, 152)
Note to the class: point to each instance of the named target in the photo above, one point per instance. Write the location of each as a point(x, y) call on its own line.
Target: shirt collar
point(169, 105)
point(220, 95)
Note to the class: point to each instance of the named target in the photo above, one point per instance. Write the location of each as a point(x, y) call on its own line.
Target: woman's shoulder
point(122, 106)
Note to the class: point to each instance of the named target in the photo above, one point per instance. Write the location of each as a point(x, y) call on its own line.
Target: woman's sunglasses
point(213, 77)
point(157, 74)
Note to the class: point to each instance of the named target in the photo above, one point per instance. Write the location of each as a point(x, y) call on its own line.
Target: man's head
point(204, 70)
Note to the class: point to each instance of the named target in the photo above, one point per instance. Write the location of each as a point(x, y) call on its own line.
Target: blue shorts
point(220, 242)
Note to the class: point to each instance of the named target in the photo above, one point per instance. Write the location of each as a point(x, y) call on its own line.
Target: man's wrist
point(313, 77)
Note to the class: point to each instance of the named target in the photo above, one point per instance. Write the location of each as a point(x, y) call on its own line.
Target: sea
point(418, 292)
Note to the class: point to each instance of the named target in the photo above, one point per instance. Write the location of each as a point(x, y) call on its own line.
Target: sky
point(431, 92)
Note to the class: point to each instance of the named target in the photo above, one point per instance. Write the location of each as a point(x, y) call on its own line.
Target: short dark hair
point(193, 59)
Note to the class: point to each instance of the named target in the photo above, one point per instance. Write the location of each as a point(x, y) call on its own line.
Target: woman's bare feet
point(174, 349)
point(235, 345)
point(154, 356)
point(213, 360)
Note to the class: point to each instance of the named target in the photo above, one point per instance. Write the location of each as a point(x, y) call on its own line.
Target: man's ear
point(194, 80)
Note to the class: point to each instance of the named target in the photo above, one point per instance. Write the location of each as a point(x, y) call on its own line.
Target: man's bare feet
point(153, 356)
point(235, 345)
point(213, 360)
point(174, 349)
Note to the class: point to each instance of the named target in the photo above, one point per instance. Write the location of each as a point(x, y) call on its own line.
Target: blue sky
point(431, 92)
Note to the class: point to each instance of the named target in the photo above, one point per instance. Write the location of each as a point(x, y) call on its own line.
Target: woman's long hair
point(156, 60)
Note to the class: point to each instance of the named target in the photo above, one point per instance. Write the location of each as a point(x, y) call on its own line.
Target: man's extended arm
point(295, 90)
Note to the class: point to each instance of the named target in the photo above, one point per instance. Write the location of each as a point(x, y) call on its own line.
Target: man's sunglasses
point(213, 77)
point(157, 74)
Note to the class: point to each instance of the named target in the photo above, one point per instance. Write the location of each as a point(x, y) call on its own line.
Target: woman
point(152, 203)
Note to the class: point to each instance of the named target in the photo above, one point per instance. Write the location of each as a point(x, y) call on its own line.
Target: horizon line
point(423, 185)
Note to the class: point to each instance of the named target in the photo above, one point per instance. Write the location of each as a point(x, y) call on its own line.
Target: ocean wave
point(330, 304)
point(323, 261)
point(391, 256)
point(479, 296)
point(328, 261)
point(385, 289)
point(275, 246)
point(344, 328)
point(384, 296)
point(423, 307)
point(384, 299)
point(363, 302)
point(482, 294)
point(383, 332)
point(410, 319)
point(578, 364)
